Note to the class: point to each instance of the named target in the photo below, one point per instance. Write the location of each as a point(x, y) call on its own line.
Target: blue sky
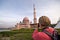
point(13, 11)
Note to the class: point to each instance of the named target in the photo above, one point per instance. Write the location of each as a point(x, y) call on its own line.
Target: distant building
point(26, 22)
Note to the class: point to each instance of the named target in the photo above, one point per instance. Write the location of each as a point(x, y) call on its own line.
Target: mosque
point(26, 22)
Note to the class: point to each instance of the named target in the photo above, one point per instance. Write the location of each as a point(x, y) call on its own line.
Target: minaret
point(35, 19)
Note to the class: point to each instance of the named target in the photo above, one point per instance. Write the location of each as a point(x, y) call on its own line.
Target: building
point(26, 22)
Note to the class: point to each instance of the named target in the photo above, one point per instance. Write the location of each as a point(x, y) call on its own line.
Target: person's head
point(44, 22)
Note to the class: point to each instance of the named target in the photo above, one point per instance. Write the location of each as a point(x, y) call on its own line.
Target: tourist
point(47, 33)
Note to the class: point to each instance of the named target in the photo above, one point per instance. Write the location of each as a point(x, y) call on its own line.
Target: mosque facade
point(26, 22)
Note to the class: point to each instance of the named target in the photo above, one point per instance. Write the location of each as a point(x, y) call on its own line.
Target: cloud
point(51, 10)
point(13, 11)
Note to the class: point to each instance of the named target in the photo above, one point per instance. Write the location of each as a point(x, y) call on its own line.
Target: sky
point(13, 11)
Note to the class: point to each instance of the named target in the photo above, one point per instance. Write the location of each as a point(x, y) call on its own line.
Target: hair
point(44, 21)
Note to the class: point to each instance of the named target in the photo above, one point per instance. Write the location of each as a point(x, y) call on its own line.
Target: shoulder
point(50, 29)
point(41, 34)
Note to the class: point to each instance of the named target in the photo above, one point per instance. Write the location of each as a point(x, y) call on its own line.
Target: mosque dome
point(25, 19)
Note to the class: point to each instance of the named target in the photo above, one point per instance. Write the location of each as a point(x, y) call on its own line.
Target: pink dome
point(25, 19)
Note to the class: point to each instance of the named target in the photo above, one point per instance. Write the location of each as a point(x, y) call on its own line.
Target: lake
point(4, 30)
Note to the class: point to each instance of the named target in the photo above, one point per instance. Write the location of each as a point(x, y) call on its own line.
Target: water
point(4, 30)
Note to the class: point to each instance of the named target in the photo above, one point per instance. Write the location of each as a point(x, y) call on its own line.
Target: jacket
point(41, 35)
